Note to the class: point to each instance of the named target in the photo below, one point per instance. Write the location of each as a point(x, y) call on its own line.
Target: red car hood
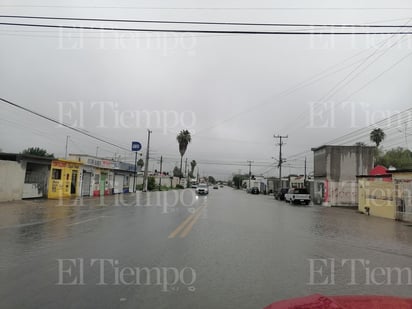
point(343, 302)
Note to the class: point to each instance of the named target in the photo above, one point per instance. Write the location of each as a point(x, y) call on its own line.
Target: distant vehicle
point(221, 186)
point(202, 189)
point(193, 185)
point(298, 196)
point(254, 190)
point(215, 187)
point(280, 195)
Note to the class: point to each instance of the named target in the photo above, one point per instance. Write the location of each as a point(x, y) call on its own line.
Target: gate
point(403, 190)
point(118, 183)
point(87, 179)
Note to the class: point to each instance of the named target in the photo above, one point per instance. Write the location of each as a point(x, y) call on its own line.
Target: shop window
point(56, 173)
point(96, 179)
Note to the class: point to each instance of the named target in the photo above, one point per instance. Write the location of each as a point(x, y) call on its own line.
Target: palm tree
point(183, 138)
point(192, 167)
point(377, 136)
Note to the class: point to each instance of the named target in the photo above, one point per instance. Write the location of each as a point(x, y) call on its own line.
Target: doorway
point(73, 184)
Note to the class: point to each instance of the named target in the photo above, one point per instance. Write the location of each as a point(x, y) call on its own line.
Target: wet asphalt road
point(173, 250)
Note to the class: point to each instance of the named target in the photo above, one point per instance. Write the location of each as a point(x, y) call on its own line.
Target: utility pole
point(185, 174)
point(67, 144)
point(304, 179)
point(135, 171)
point(280, 137)
point(160, 179)
point(146, 167)
point(250, 170)
point(97, 150)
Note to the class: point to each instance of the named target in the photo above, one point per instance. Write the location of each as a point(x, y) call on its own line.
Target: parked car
point(298, 195)
point(280, 195)
point(202, 189)
point(193, 185)
point(254, 190)
point(288, 195)
point(215, 187)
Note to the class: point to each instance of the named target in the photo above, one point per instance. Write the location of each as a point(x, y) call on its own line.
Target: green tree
point(377, 136)
point(238, 179)
point(36, 151)
point(211, 180)
point(177, 172)
point(399, 158)
point(183, 138)
point(140, 163)
point(192, 168)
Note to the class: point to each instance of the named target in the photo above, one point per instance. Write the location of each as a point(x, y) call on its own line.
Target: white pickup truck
point(297, 196)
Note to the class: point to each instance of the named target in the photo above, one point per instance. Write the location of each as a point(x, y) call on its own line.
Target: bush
point(179, 187)
point(151, 184)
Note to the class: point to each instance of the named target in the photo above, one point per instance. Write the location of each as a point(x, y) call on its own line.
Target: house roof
point(406, 170)
point(378, 170)
point(26, 157)
point(389, 173)
point(339, 146)
point(375, 176)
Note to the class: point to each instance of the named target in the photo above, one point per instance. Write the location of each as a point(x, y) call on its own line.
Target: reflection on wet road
point(176, 250)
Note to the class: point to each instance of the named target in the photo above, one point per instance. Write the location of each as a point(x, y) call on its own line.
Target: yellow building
point(387, 195)
point(63, 179)
point(376, 196)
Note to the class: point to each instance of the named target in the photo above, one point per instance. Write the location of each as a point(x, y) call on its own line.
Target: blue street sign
point(136, 146)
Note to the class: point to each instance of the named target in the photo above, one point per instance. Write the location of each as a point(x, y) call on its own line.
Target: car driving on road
point(202, 189)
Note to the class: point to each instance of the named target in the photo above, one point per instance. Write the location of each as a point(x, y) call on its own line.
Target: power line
point(371, 81)
point(62, 124)
point(210, 8)
point(245, 32)
point(204, 22)
point(313, 79)
point(351, 134)
point(357, 71)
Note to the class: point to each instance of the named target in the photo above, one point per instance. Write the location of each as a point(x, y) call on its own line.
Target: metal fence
point(403, 190)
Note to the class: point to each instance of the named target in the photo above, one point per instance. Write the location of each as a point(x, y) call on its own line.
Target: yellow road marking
point(190, 225)
point(184, 223)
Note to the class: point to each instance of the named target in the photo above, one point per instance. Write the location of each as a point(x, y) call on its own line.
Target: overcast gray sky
point(232, 91)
